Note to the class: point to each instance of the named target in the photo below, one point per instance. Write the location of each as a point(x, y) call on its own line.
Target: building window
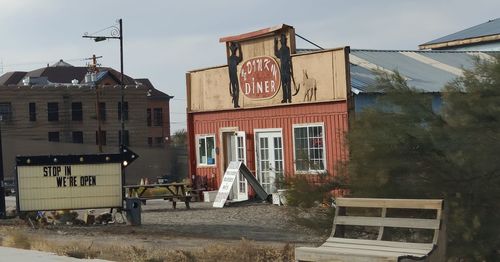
point(159, 141)
point(309, 150)
point(125, 138)
point(32, 112)
point(103, 137)
point(148, 116)
point(53, 136)
point(76, 111)
point(157, 117)
point(102, 111)
point(77, 137)
point(206, 150)
point(6, 111)
point(53, 111)
point(125, 111)
point(150, 141)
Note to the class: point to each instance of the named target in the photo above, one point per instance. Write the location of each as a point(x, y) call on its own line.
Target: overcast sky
point(164, 39)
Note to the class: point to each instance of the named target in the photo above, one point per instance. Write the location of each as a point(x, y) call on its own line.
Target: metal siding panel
point(284, 117)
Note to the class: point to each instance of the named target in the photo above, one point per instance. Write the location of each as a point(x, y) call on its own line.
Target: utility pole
point(93, 70)
point(2, 183)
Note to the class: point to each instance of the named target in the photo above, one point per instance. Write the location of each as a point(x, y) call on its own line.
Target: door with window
point(241, 187)
point(235, 150)
point(269, 155)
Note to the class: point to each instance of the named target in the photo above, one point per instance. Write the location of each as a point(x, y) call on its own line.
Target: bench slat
point(389, 203)
point(319, 257)
point(369, 250)
point(421, 252)
point(358, 252)
point(387, 222)
point(422, 246)
point(309, 254)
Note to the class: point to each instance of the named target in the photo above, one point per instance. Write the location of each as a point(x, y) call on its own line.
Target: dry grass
point(16, 239)
point(244, 251)
point(78, 251)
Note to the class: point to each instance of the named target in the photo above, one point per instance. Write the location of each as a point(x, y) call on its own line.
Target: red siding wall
point(332, 114)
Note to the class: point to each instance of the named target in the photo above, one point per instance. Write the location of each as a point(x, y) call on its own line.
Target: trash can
point(133, 211)
point(282, 196)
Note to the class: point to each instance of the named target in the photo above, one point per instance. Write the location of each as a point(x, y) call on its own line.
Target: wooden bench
point(338, 247)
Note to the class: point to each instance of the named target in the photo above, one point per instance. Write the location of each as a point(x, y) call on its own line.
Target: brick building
point(56, 109)
point(158, 117)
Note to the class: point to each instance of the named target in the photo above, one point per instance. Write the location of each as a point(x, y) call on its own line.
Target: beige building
point(68, 114)
point(54, 110)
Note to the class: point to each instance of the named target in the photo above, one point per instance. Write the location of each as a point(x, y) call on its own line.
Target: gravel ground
point(254, 221)
point(185, 229)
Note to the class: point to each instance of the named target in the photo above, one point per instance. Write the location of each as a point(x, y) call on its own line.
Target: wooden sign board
point(227, 183)
point(233, 170)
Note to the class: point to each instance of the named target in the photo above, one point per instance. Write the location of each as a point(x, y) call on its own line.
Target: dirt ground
point(183, 229)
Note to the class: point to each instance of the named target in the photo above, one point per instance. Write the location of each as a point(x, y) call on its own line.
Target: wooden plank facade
point(332, 115)
point(277, 133)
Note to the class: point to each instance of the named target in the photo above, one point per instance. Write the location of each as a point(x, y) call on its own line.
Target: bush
point(310, 200)
point(306, 191)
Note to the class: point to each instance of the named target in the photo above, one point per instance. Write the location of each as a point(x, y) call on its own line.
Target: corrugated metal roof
point(492, 27)
point(429, 71)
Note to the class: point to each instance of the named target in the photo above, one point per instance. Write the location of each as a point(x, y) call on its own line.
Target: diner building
point(285, 111)
point(280, 112)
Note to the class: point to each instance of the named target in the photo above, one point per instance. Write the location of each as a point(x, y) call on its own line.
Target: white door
point(241, 187)
point(236, 151)
point(269, 152)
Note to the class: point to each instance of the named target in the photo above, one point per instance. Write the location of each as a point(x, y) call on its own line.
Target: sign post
point(57, 182)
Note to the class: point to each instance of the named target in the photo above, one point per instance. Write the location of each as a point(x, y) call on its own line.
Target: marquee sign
point(260, 77)
point(71, 181)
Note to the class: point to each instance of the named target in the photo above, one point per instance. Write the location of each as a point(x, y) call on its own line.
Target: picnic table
point(175, 192)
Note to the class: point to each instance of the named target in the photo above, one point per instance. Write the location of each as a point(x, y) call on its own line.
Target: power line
point(310, 42)
point(40, 62)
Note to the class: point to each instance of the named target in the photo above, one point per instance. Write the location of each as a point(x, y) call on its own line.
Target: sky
point(164, 39)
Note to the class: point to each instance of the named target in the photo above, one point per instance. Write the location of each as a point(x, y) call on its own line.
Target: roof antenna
point(303, 38)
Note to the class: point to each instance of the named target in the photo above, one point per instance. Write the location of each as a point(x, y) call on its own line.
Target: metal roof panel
point(492, 27)
point(428, 71)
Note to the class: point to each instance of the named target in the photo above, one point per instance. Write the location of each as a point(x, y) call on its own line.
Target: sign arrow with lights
point(57, 182)
point(125, 157)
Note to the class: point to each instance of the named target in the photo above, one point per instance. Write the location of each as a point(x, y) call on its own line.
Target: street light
point(115, 33)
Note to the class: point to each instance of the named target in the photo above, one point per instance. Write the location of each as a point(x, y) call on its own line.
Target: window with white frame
point(206, 150)
point(309, 149)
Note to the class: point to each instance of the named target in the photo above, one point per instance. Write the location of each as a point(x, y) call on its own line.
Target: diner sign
point(260, 77)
